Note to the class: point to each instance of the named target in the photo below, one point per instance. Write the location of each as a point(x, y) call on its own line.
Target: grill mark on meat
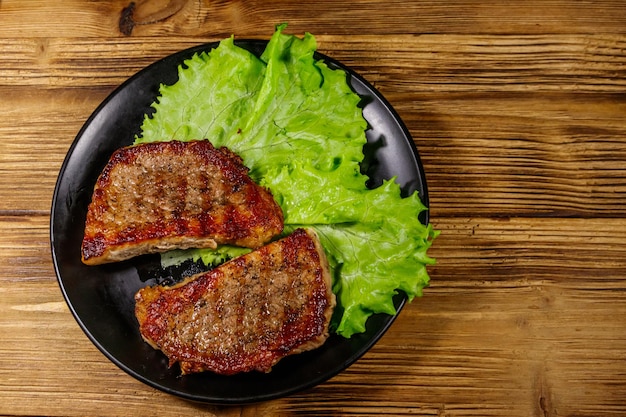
point(174, 195)
point(245, 315)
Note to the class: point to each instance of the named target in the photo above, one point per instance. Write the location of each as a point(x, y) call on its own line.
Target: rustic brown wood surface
point(518, 110)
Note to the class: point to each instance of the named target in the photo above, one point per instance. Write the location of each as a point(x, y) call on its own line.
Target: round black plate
point(101, 297)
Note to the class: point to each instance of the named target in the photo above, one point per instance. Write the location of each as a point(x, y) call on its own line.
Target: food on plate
point(160, 196)
point(246, 314)
point(297, 124)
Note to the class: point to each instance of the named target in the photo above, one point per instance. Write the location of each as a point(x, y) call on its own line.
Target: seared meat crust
point(159, 196)
point(245, 315)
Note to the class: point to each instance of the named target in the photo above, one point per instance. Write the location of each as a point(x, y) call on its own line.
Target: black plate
point(101, 297)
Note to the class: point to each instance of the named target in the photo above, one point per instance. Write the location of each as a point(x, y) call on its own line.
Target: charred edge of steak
point(160, 196)
point(245, 315)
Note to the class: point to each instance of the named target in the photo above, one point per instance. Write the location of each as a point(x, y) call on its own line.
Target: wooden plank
point(569, 252)
point(485, 63)
point(512, 324)
point(38, 125)
point(80, 63)
point(457, 361)
point(485, 144)
point(75, 18)
point(521, 154)
point(479, 353)
point(420, 64)
point(25, 252)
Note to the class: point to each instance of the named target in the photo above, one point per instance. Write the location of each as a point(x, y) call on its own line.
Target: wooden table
point(519, 113)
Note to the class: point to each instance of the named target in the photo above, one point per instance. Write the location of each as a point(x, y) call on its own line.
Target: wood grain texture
point(549, 134)
point(517, 110)
point(512, 325)
point(76, 18)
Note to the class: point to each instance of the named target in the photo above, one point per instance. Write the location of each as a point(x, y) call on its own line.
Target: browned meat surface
point(176, 195)
point(245, 315)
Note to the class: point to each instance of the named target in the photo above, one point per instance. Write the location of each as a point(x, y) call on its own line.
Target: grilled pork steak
point(175, 195)
point(246, 314)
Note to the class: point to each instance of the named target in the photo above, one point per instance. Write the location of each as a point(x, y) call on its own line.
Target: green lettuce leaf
point(298, 126)
point(214, 95)
point(213, 257)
